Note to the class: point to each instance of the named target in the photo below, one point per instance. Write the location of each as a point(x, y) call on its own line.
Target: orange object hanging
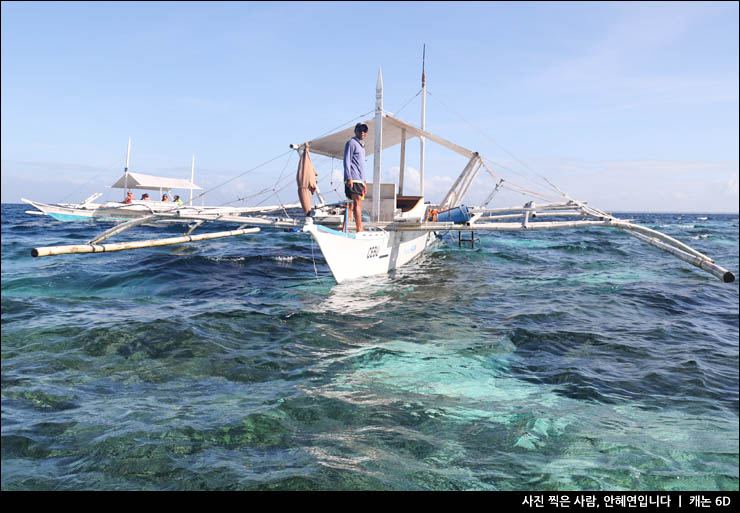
point(306, 178)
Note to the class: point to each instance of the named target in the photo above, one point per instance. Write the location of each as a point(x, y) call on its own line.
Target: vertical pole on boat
point(423, 120)
point(378, 146)
point(403, 162)
point(347, 205)
point(125, 171)
point(192, 178)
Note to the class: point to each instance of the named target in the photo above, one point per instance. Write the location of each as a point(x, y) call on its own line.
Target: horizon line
point(611, 211)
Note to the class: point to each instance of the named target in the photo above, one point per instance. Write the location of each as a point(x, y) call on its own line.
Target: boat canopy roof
point(332, 145)
point(151, 182)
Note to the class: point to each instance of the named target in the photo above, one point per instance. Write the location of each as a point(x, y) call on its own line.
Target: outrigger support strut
point(122, 228)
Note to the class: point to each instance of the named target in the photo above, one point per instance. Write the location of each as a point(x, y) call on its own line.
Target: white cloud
point(435, 186)
point(733, 190)
point(613, 185)
point(648, 185)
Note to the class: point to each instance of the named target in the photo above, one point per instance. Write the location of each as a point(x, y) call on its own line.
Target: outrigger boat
point(400, 227)
point(118, 211)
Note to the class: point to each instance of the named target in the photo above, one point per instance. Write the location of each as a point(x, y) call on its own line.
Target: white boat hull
point(369, 253)
point(115, 212)
point(118, 212)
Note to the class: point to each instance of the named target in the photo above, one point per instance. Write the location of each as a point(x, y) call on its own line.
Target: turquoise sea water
point(565, 360)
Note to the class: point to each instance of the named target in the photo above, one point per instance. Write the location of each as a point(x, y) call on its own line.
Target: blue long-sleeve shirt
point(354, 160)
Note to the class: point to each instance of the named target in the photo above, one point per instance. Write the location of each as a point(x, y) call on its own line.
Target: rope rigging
point(277, 186)
point(240, 175)
point(410, 100)
point(282, 182)
point(524, 164)
point(106, 170)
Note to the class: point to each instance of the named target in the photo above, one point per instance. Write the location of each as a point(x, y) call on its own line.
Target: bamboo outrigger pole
point(120, 246)
point(706, 263)
point(652, 237)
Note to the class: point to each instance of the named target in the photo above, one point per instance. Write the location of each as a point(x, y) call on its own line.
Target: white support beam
point(403, 162)
point(452, 197)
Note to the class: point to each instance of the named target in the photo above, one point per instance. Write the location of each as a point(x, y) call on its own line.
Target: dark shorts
point(356, 188)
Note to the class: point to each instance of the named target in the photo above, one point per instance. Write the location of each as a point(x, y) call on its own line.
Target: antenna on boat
point(192, 179)
point(378, 145)
point(423, 119)
point(125, 170)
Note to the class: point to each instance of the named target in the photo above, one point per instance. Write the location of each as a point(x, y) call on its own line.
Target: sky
point(630, 106)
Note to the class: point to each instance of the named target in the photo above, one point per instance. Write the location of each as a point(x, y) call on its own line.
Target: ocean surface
point(557, 360)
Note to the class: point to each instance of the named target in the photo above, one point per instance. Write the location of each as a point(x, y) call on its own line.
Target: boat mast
point(125, 170)
point(192, 179)
point(378, 145)
point(423, 121)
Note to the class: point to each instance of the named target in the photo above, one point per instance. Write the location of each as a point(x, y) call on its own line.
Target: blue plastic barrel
point(455, 215)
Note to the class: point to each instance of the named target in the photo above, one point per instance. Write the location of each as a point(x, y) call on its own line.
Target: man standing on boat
point(354, 172)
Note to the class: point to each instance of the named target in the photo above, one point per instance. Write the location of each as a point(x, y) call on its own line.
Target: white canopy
point(332, 145)
point(150, 182)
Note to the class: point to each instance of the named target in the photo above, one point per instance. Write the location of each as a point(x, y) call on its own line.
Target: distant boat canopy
point(151, 182)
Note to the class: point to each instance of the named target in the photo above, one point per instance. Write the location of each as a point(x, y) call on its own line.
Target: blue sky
point(630, 106)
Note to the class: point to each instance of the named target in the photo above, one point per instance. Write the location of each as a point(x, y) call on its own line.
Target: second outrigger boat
point(118, 211)
point(400, 227)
